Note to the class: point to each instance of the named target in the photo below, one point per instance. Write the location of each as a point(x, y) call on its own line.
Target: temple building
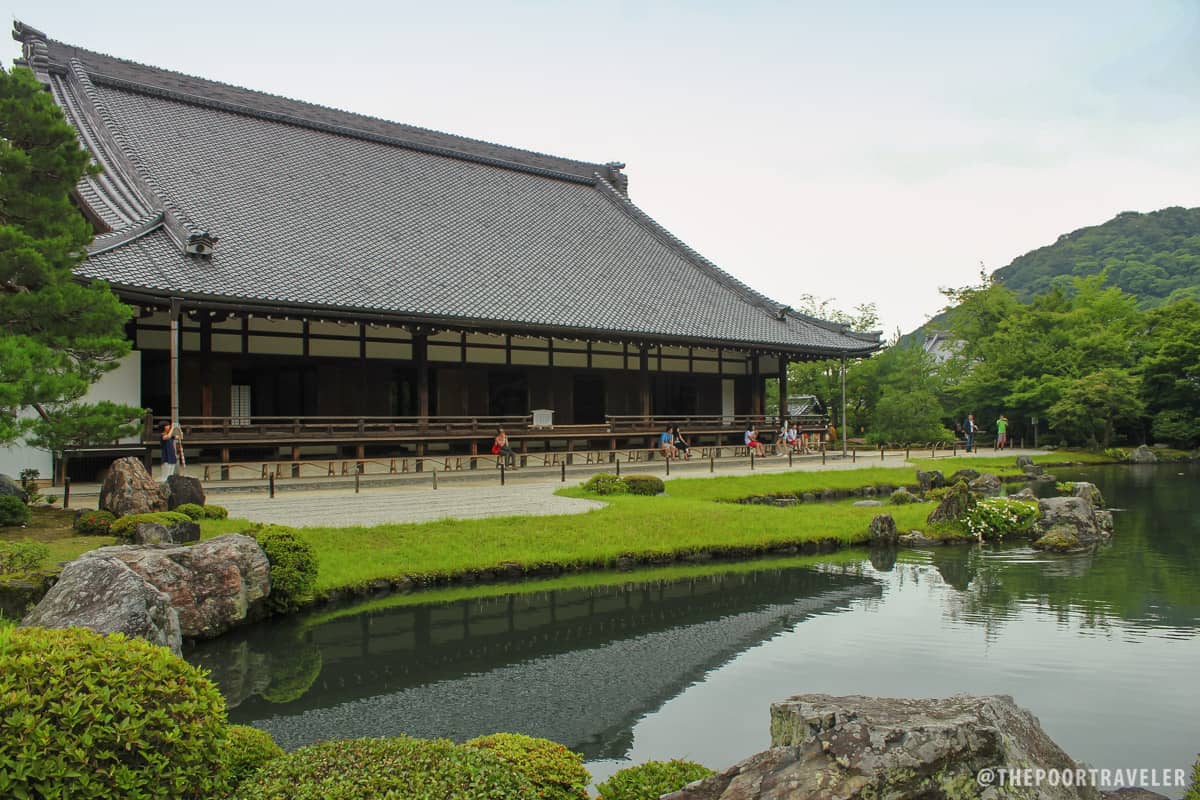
point(294, 262)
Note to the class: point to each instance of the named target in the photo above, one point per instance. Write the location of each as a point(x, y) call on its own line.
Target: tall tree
point(57, 335)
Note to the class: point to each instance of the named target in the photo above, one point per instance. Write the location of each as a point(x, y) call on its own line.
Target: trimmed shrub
point(555, 772)
point(13, 512)
point(293, 565)
point(398, 767)
point(107, 718)
point(124, 527)
point(216, 512)
point(902, 497)
point(605, 483)
point(651, 780)
point(246, 750)
point(94, 523)
point(22, 558)
point(644, 484)
point(194, 512)
point(998, 517)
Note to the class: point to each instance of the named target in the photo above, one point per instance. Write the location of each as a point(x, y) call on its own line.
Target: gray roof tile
point(318, 208)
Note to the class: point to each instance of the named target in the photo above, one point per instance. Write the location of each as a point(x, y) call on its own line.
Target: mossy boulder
point(1061, 539)
point(955, 504)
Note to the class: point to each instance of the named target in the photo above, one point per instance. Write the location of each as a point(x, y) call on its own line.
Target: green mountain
point(1155, 257)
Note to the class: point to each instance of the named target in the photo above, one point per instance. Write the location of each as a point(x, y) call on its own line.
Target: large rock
point(1089, 492)
point(158, 533)
point(883, 530)
point(10, 487)
point(1143, 455)
point(102, 593)
point(213, 585)
point(1070, 523)
point(957, 502)
point(1024, 461)
point(182, 489)
point(868, 747)
point(129, 489)
point(986, 484)
point(931, 479)
point(967, 474)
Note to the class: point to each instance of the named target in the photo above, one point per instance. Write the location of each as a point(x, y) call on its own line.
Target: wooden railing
point(325, 428)
point(357, 428)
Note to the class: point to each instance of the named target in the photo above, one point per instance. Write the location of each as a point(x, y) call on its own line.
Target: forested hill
point(1154, 257)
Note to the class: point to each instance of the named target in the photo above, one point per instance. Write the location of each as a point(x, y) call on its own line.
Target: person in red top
point(501, 447)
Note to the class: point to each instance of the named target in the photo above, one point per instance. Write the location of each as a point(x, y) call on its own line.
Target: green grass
point(648, 528)
point(690, 519)
point(52, 527)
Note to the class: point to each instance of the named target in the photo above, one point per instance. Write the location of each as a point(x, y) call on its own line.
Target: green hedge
point(215, 512)
point(124, 527)
point(247, 750)
point(194, 512)
point(644, 484)
point(651, 780)
point(605, 483)
point(293, 566)
point(13, 512)
point(94, 523)
point(106, 718)
point(398, 768)
point(555, 772)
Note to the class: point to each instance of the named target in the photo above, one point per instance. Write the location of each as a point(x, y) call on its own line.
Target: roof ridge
point(177, 222)
point(726, 279)
point(584, 168)
point(326, 127)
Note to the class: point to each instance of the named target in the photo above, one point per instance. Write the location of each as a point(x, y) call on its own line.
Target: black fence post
point(501, 473)
point(752, 458)
point(66, 491)
point(564, 471)
point(668, 466)
point(271, 484)
point(434, 479)
point(356, 477)
point(618, 466)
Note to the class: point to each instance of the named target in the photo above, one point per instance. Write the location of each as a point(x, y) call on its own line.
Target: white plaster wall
point(122, 385)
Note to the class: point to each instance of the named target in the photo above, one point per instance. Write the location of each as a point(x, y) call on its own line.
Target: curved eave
point(142, 295)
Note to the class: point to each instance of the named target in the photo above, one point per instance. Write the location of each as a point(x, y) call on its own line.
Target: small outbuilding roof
point(221, 194)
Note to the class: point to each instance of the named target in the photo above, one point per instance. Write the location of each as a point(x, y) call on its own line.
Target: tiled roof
point(317, 208)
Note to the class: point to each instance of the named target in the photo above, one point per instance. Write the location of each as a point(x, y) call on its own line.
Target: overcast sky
point(859, 151)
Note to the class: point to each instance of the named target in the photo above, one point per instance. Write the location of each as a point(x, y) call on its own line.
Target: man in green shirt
point(1001, 432)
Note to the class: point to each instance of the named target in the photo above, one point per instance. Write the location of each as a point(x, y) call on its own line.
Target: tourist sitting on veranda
point(792, 439)
point(750, 439)
point(682, 445)
point(781, 442)
point(666, 443)
point(501, 447)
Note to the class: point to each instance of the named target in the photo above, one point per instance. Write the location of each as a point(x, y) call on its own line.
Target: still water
point(1103, 647)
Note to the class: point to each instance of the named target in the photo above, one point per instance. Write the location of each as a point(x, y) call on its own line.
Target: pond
point(1103, 647)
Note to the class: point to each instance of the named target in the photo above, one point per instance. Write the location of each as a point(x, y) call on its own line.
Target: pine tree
point(57, 335)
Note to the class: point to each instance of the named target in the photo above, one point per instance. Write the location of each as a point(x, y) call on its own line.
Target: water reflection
point(577, 666)
point(1102, 646)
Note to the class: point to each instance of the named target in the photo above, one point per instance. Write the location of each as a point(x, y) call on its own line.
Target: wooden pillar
point(756, 385)
point(644, 378)
point(783, 388)
point(175, 347)
point(206, 367)
point(421, 356)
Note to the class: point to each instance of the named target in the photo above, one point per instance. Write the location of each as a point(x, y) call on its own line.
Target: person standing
point(969, 430)
point(1001, 432)
point(168, 450)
